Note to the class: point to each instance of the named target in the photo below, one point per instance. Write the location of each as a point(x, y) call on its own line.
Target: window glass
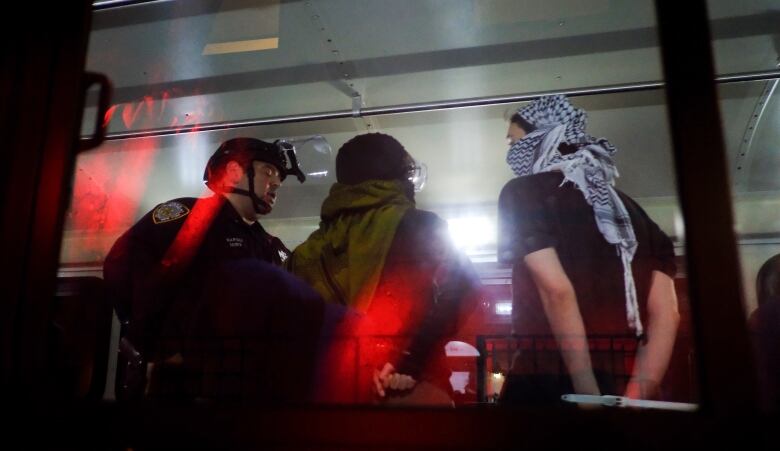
point(179, 66)
point(743, 42)
point(179, 71)
point(737, 26)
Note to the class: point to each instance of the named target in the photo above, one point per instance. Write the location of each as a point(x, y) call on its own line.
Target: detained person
point(394, 264)
point(587, 261)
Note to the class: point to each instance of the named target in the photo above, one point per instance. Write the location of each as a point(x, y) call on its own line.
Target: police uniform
point(157, 268)
point(228, 237)
point(194, 272)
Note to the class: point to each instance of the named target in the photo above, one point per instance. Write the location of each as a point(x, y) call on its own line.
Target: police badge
point(169, 211)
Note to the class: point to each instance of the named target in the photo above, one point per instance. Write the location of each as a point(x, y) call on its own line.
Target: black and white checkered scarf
point(590, 169)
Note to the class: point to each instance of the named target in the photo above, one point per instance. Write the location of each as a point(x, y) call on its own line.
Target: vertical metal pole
point(481, 361)
point(725, 367)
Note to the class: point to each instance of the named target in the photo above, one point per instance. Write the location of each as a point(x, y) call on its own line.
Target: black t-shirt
point(535, 213)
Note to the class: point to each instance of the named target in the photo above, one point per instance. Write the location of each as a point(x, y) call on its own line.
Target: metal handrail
point(432, 106)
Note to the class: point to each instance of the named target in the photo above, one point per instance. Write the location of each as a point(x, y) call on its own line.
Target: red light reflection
point(110, 183)
point(384, 331)
point(191, 234)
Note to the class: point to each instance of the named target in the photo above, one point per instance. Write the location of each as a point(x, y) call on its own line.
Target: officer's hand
point(388, 378)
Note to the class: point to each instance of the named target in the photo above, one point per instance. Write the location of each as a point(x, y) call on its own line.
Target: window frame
point(39, 177)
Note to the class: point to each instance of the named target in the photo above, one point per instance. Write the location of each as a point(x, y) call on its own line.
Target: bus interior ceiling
point(180, 69)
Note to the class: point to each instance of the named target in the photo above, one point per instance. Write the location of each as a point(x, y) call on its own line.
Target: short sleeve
point(524, 224)
point(659, 245)
point(663, 251)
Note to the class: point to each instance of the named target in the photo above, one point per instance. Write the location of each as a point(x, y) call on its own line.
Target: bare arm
point(563, 313)
point(653, 356)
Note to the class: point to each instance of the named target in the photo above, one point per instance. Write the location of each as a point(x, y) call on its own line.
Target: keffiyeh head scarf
point(590, 169)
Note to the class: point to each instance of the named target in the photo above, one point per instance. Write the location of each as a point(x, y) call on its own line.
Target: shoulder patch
point(169, 211)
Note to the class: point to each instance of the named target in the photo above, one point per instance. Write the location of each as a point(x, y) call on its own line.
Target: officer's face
point(267, 181)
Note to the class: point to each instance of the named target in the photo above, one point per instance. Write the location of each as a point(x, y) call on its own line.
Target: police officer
point(157, 270)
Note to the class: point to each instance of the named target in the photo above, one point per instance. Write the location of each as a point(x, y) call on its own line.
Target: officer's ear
point(233, 173)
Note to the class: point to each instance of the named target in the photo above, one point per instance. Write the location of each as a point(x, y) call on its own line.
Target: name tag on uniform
point(235, 242)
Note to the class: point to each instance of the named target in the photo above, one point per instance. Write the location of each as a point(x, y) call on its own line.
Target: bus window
point(750, 113)
point(443, 79)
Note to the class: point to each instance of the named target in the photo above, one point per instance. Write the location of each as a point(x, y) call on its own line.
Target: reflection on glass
point(231, 61)
point(456, 189)
point(247, 60)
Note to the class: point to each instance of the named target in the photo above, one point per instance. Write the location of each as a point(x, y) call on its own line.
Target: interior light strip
point(251, 45)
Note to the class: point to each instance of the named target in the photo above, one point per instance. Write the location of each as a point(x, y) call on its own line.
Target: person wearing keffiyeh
point(587, 260)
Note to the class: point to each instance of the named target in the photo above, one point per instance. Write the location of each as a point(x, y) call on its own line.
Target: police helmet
point(246, 150)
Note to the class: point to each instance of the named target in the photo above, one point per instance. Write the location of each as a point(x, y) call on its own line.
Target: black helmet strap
point(261, 207)
point(294, 168)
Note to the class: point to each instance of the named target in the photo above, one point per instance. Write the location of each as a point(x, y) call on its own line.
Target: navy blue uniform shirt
point(156, 270)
